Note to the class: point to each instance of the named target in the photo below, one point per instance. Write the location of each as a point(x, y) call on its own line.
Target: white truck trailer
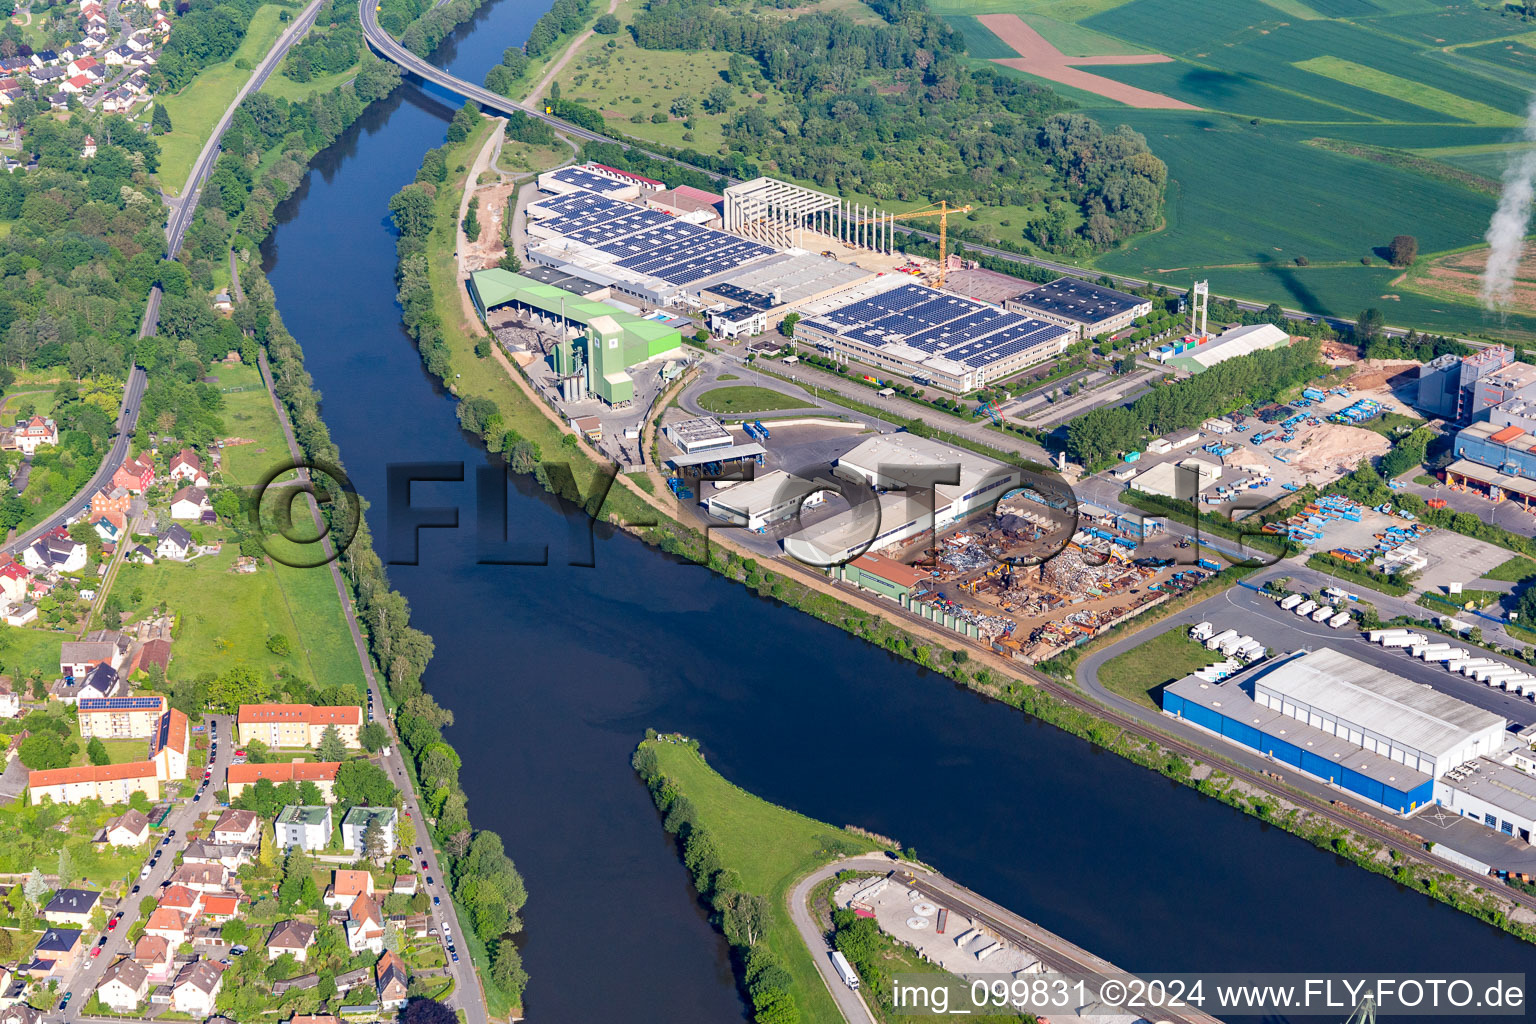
point(844, 970)
point(1250, 651)
point(1306, 607)
point(1291, 601)
point(1323, 614)
point(1201, 631)
point(1405, 640)
point(1216, 641)
point(1381, 636)
point(1465, 666)
point(1340, 620)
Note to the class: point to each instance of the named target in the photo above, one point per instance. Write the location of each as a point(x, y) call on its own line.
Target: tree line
point(1102, 434)
point(206, 33)
point(333, 45)
point(740, 915)
point(894, 111)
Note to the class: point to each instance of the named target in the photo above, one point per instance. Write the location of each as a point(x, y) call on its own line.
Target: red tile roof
point(288, 771)
point(96, 773)
point(310, 714)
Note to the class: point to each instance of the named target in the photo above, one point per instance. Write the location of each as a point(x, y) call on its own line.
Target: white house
point(190, 503)
point(174, 543)
point(196, 989)
point(124, 985)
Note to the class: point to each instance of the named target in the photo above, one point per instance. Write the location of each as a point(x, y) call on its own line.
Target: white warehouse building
point(1403, 721)
point(1498, 796)
point(880, 463)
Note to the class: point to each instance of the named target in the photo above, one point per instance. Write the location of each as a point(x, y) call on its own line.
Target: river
point(554, 672)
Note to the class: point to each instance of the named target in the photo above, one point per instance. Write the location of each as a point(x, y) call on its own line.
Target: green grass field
point(283, 87)
point(199, 105)
point(738, 399)
point(24, 650)
point(1143, 670)
point(770, 847)
point(1516, 570)
point(1443, 79)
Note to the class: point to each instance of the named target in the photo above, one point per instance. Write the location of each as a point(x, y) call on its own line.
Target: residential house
point(37, 431)
point(19, 614)
point(169, 924)
point(185, 465)
point(301, 983)
point(349, 980)
point(15, 582)
point(59, 554)
point(77, 657)
point(365, 925)
point(392, 980)
point(18, 1012)
point(204, 878)
point(109, 783)
point(117, 101)
point(127, 829)
point(218, 909)
point(197, 988)
point(124, 985)
point(190, 503)
point(231, 855)
point(138, 475)
point(101, 683)
point(56, 952)
point(155, 955)
point(11, 65)
point(174, 542)
point(169, 746)
point(120, 56)
point(82, 64)
point(107, 530)
point(346, 886)
point(122, 718)
point(111, 504)
point(354, 829)
point(308, 828)
point(237, 827)
point(405, 885)
point(72, 907)
point(298, 725)
point(321, 773)
point(291, 937)
point(155, 653)
point(179, 897)
point(10, 700)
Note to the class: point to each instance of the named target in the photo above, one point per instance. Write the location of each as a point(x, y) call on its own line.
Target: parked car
point(423, 863)
point(65, 1001)
point(429, 880)
point(436, 900)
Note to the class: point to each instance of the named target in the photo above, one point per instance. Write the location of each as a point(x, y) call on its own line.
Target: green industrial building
point(612, 341)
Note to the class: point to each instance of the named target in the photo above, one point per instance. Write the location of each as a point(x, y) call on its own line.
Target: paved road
point(849, 1002)
point(463, 972)
point(184, 206)
point(82, 981)
point(127, 416)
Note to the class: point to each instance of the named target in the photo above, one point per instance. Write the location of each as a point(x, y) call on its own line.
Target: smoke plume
point(1506, 232)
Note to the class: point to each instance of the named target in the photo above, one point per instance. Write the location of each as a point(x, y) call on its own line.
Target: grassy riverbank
point(767, 847)
point(1141, 672)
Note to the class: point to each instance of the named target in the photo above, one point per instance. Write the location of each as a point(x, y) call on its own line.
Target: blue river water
point(554, 672)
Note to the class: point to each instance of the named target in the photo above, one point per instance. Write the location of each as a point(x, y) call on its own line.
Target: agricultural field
point(1285, 89)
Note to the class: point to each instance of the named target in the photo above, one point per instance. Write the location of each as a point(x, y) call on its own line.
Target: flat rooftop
point(987, 285)
point(764, 492)
point(885, 455)
point(1080, 301)
point(795, 276)
point(1410, 713)
point(1502, 785)
point(702, 428)
point(560, 279)
point(734, 453)
point(1227, 698)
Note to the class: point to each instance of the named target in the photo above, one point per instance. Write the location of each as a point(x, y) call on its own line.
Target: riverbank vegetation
point(744, 854)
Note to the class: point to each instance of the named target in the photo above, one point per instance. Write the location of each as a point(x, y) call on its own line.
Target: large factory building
point(1366, 731)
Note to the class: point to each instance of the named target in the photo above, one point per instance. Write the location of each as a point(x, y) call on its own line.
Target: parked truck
point(1323, 614)
point(1201, 631)
point(1340, 620)
point(1428, 651)
point(1220, 638)
point(1291, 601)
point(1404, 639)
point(1230, 646)
point(1250, 651)
point(1306, 607)
point(1466, 666)
point(844, 970)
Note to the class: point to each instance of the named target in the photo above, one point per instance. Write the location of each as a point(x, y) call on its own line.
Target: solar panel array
point(937, 323)
point(647, 241)
point(589, 181)
point(120, 704)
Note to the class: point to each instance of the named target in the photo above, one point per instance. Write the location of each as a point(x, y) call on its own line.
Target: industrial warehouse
point(1087, 310)
point(896, 461)
point(931, 336)
point(1370, 732)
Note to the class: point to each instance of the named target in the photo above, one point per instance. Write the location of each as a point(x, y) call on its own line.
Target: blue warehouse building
point(1226, 710)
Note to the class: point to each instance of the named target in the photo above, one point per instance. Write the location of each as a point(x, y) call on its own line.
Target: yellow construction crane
point(941, 210)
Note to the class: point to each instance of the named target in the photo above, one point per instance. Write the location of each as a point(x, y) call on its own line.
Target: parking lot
point(1259, 616)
